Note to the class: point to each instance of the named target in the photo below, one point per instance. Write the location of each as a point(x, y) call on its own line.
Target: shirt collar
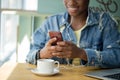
point(91, 19)
point(64, 19)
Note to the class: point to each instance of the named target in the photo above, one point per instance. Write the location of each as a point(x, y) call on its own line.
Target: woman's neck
point(77, 22)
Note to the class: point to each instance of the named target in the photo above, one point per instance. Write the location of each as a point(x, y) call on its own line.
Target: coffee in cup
point(47, 66)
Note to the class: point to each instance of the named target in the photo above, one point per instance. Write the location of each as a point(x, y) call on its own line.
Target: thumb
point(51, 41)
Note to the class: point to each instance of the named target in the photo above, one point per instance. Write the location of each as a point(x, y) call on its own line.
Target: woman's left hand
point(66, 49)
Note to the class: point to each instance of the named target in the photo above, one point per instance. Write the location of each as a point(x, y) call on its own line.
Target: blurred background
point(20, 18)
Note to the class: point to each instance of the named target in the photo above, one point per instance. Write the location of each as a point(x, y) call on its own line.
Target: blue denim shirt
point(100, 39)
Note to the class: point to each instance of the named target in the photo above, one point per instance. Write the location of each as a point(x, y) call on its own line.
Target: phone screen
point(56, 34)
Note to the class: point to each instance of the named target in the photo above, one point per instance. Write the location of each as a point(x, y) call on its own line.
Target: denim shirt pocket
point(97, 46)
point(85, 44)
point(114, 45)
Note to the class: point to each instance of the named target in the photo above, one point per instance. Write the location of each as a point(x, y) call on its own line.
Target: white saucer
point(35, 71)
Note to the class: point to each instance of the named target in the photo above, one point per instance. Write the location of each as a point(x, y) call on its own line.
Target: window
point(11, 4)
point(8, 35)
point(9, 24)
point(30, 4)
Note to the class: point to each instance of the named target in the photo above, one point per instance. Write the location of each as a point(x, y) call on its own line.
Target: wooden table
point(22, 71)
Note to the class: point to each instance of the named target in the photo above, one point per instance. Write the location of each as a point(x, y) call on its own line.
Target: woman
point(92, 37)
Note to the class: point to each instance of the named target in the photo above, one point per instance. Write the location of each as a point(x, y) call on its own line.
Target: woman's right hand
point(47, 51)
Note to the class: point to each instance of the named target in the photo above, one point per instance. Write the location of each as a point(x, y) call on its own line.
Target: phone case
point(56, 34)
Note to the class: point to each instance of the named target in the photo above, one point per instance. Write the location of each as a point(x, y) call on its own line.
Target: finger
point(64, 43)
point(58, 54)
point(63, 48)
point(51, 41)
point(62, 57)
point(59, 48)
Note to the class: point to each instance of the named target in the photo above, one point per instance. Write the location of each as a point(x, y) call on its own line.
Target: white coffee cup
point(47, 66)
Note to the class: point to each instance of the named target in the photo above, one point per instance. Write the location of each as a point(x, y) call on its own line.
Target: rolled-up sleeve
point(37, 43)
point(109, 55)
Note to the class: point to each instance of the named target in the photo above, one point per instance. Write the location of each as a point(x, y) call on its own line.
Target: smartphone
point(56, 34)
